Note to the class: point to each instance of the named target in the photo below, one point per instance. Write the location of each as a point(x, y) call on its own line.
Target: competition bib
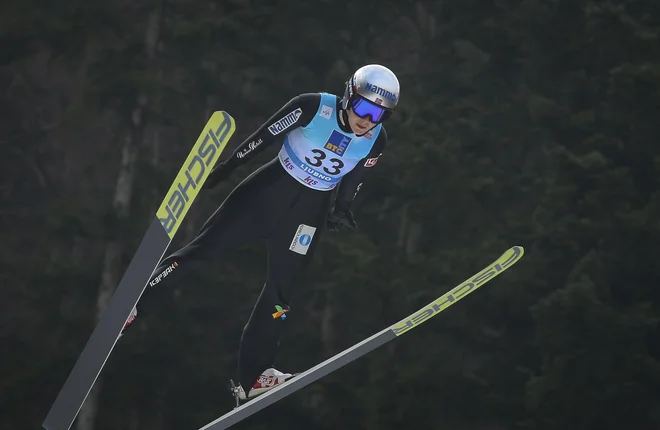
point(320, 154)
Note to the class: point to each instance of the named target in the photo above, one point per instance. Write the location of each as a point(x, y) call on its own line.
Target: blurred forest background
point(521, 122)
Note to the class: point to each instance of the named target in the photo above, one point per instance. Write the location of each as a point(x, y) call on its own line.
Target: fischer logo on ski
point(459, 292)
point(195, 171)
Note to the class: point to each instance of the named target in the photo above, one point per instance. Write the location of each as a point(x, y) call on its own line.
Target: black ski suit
point(269, 204)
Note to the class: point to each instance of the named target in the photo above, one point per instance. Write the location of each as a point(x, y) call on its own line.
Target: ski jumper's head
point(370, 97)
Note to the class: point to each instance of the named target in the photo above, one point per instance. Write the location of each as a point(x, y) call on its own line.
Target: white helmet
point(376, 84)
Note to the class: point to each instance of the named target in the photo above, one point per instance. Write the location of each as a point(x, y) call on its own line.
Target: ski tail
point(155, 242)
point(506, 260)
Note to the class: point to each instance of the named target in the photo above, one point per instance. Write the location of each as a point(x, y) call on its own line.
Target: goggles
point(363, 108)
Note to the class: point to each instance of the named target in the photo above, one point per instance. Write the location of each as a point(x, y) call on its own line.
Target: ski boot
point(129, 321)
point(269, 379)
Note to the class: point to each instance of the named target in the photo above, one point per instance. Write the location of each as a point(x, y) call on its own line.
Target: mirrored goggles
point(363, 108)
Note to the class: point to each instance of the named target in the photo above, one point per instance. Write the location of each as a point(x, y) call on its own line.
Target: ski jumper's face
point(359, 125)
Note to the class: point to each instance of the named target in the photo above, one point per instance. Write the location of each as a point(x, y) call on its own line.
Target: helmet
point(378, 86)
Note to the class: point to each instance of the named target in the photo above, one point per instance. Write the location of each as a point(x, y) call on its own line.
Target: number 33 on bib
point(319, 154)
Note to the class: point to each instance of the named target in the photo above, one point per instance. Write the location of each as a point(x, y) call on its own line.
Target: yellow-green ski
point(506, 260)
point(177, 201)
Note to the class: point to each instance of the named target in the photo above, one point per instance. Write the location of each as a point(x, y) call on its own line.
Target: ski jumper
point(284, 202)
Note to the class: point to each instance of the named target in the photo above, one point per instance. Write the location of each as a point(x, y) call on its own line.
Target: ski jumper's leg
point(300, 228)
point(237, 221)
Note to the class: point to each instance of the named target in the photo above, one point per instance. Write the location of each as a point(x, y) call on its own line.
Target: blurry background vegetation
point(521, 122)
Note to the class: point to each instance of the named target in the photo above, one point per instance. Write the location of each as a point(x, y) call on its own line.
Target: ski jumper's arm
point(298, 112)
point(351, 183)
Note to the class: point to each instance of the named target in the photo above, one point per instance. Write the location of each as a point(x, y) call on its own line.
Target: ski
point(506, 260)
point(161, 231)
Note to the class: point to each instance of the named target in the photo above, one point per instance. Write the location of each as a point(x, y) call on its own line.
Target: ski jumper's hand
point(340, 215)
point(337, 219)
point(218, 174)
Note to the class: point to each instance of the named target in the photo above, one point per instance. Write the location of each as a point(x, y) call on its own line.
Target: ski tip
point(511, 256)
